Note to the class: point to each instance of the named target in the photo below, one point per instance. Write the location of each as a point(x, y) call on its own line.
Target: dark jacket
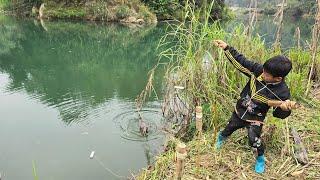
point(252, 104)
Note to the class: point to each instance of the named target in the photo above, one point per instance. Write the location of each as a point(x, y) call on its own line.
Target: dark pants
point(254, 131)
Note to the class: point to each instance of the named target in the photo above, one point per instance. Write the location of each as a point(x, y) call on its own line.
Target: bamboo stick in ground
point(199, 124)
point(199, 120)
point(297, 34)
point(181, 154)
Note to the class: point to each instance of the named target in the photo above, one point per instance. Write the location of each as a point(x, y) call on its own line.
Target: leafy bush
point(165, 8)
point(66, 12)
point(97, 9)
point(122, 11)
point(145, 14)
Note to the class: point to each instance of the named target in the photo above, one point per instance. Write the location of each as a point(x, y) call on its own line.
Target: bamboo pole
point(297, 35)
point(252, 17)
point(279, 15)
point(181, 154)
point(314, 48)
point(199, 122)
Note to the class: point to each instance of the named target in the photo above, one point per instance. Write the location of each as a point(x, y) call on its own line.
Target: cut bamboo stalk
point(199, 131)
point(297, 35)
point(199, 120)
point(181, 154)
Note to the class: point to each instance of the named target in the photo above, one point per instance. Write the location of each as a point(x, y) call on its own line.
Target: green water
point(69, 88)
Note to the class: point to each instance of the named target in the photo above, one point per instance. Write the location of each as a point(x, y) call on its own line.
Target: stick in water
point(143, 126)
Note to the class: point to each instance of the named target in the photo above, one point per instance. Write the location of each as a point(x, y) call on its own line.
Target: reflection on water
point(69, 89)
point(76, 67)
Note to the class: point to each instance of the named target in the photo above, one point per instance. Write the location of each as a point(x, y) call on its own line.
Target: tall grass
point(217, 90)
point(188, 41)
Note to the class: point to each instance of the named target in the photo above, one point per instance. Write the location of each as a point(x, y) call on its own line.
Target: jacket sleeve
point(241, 63)
point(278, 112)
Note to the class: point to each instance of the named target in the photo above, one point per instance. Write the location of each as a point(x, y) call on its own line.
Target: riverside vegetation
point(190, 49)
point(293, 8)
point(133, 11)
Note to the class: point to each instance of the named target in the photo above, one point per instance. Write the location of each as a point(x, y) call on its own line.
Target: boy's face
point(268, 78)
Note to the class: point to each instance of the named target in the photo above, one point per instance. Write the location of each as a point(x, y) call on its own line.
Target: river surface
point(69, 88)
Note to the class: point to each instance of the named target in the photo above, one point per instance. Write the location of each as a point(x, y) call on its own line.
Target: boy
point(266, 83)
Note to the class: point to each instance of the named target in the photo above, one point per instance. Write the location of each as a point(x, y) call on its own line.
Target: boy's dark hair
point(278, 66)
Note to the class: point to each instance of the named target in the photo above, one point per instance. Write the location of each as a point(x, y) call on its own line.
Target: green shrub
point(122, 11)
point(97, 9)
point(62, 12)
point(145, 14)
point(164, 8)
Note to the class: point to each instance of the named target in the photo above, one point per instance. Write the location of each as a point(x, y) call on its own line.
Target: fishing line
point(100, 163)
point(107, 169)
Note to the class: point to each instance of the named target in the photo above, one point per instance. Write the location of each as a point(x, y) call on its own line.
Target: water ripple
point(128, 122)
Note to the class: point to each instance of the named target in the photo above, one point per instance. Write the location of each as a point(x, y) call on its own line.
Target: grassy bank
point(110, 10)
point(129, 12)
point(217, 89)
point(236, 161)
point(133, 11)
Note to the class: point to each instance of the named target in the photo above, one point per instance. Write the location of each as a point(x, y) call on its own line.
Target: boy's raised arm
point(238, 60)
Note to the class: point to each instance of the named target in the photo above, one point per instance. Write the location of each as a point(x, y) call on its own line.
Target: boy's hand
point(220, 43)
point(287, 105)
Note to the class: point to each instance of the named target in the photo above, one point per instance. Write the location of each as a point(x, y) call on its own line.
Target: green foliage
point(66, 12)
point(145, 13)
point(99, 10)
point(297, 79)
point(175, 9)
point(294, 8)
point(22, 7)
point(164, 8)
point(221, 86)
point(298, 8)
point(122, 11)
